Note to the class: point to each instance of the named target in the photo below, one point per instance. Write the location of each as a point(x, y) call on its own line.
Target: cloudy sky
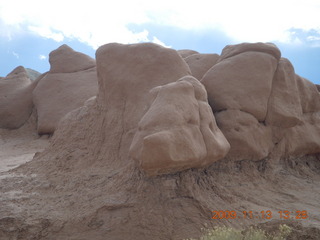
point(29, 30)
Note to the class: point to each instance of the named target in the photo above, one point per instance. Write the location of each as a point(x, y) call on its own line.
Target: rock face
point(15, 99)
point(199, 64)
point(178, 131)
point(72, 80)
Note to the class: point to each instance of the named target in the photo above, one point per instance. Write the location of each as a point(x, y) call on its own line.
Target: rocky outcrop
point(199, 64)
point(15, 98)
point(72, 80)
point(178, 131)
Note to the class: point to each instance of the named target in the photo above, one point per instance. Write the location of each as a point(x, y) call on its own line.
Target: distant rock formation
point(15, 98)
point(32, 74)
point(72, 80)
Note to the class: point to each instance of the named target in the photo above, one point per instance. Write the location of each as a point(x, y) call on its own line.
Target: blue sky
point(28, 33)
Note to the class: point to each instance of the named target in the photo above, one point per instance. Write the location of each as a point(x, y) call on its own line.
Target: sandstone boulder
point(242, 79)
point(72, 80)
point(15, 98)
point(178, 131)
point(199, 64)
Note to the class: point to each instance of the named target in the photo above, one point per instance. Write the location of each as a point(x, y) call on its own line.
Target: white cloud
point(47, 33)
point(313, 38)
point(97, 21)
point(16, 55)
point(42, 57)
point(157, 41)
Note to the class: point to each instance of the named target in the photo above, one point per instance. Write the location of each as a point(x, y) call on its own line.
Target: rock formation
point(69, 83)
point(15, 98)
point(147, 158)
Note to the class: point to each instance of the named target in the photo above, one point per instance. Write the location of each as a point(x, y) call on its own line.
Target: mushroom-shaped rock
point(199, 64)
point(71, 80)
point(15, 98)
point(178, 131)
point(242, 79)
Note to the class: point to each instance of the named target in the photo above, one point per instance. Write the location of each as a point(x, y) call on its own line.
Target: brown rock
point(65, 60)
point(249, 139)
point(242, 80)
point(59, 93)
point(186, 52)
point(284, 106)
point(15, 98)
point(178, 131)
point(199, 64)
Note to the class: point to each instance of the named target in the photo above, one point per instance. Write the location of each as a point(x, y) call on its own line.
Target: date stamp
point(265, 214)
